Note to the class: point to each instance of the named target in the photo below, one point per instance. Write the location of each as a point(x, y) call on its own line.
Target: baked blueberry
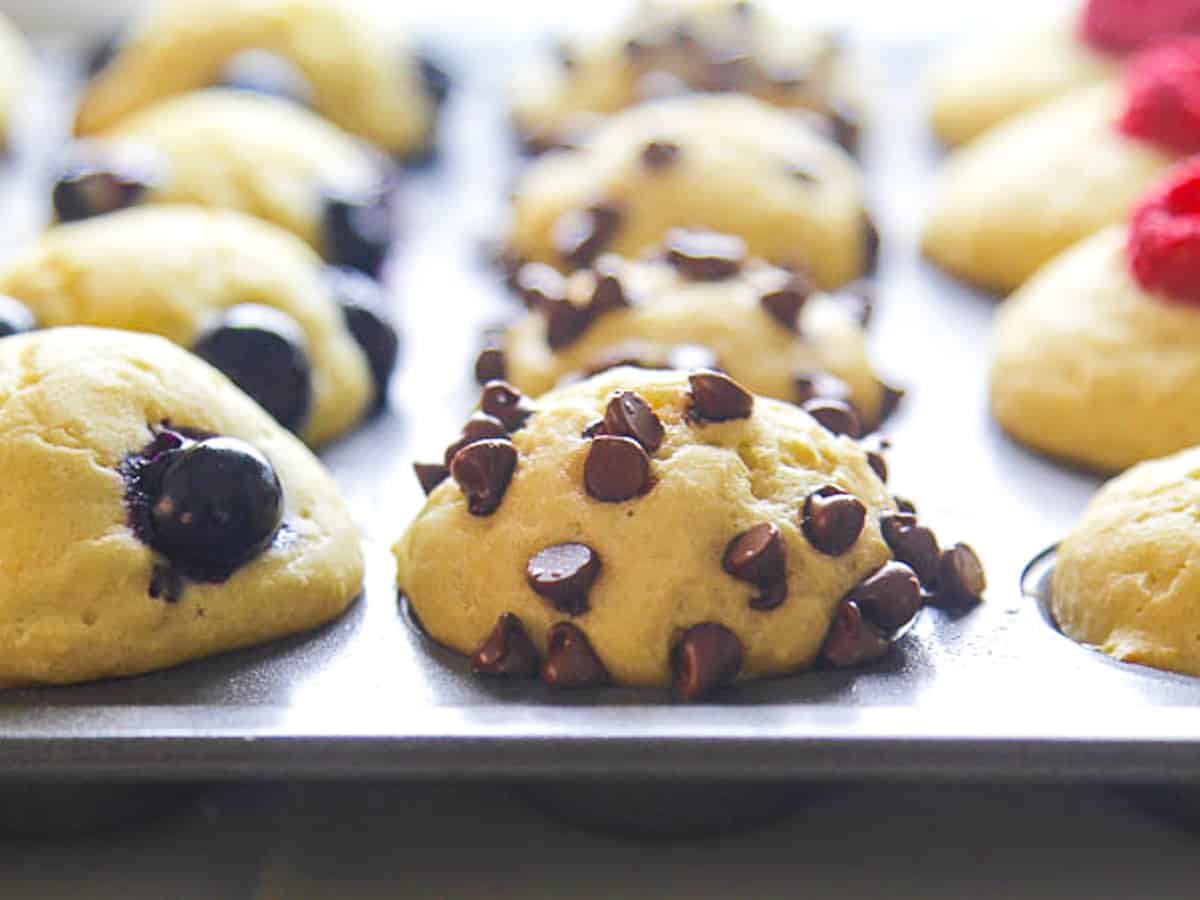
point(364, 307)
point(357, 230)
point(91, 182)
point(211, 505)
point(262, 351)
point(15, 317)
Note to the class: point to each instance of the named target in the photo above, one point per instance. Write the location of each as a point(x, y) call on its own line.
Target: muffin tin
point(994, 693)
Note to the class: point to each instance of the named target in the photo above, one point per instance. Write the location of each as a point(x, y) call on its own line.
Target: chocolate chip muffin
point(153, 513)
point(654, 528)
point(16, 68)
point(674, 46)
point(1127, 577)
point(721, 162)
point(311, 344)
point(361, 73)
point(240, 150)
point(700, 303)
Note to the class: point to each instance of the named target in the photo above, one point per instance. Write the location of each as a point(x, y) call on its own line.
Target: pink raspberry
point(1162, 95)
point(1119, 26)
point(1164, 236)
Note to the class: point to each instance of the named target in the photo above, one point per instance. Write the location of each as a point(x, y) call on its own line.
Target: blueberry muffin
point(240, 150)
point(16, 65)
point(1009, 202)
point(664, 528)
point(1127, 577)
point(311, 344)
point(153, 513)
point(980, 84)
point(701, 303)
point(1097, 358)
point(705, 161)
point(675, 46)
point(360, 71)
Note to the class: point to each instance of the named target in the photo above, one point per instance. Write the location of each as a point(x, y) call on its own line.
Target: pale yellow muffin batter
point(170, 270)
point(74, 581)
point(240, 150)
point(660, 552)
point(732, 164)
point(1012, 200)
point(354, 54)
point(1127, 577)
point(667, 45)
point(980, 84)
point(728, 317)
point(1090, 368)
point(16, 63)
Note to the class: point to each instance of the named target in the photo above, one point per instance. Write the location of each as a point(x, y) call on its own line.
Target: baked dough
point(76, 581)
point(1012, 200)
point(170, 270)
point(354, 54)
point(679, 45)
point(1090, 368)
point(732, 164)
point(1127, 577)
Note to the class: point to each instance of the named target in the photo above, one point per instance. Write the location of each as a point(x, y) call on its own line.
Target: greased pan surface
point(995, 693)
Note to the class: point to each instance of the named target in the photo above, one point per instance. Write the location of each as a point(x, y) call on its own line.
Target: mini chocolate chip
point(430, 475)
point(617, 469)
point(629, 415)
point(434, 79)
point(870, 244)
point(537, 283)
point(772, 595)
point(961, 580)
point(835, 416)
point(165, 582)
point(483, 470)
point(815, 385)
point(705, 255)
point(912, 543)
point(785, 304)
point(889, 598)
point(847, 130)
point(707, 656)
point(659, 154)
point(15, 317)
point(689, 357)
point(904, 505)
point(607, 296)
point(851, 640)
point(563, 574)
point(480, 427)
point(490, 365)
point(565, 322)
point(756, 555)
point(716, 397)
point(85, 191)
point(570, 660)
point(357, 230)
point(833, 519)
point(878, 465)
point(581, 235)
point(592, 430)
point(891, 397)
point(504, 402)
point(507, 651)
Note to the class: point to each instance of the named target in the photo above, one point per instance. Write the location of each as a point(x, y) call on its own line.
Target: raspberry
point(1164, 237)
point(1120, 26)
point(1162, 96)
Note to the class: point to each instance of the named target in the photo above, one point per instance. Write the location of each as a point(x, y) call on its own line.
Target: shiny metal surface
point(996, 693)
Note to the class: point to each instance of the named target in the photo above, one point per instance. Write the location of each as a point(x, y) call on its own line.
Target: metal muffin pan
point(996, 693)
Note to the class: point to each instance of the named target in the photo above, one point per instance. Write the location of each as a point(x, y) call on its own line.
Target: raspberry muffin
point(977, 86)
point(1097, 358)
point(702, 302)
point(153, 513)
point(360, 71)
point(676, 46)
point(1127, 577)
point(311, 344)
point(1013, 200)
point(665, 528)
point(706, 161)
point(240, 150)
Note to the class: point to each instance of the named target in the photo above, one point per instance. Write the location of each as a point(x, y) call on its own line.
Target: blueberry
point(262, 351)
point(357, 229)
point(93, 180)
point(15, 317)
point(363, 306)
point(213, 505)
